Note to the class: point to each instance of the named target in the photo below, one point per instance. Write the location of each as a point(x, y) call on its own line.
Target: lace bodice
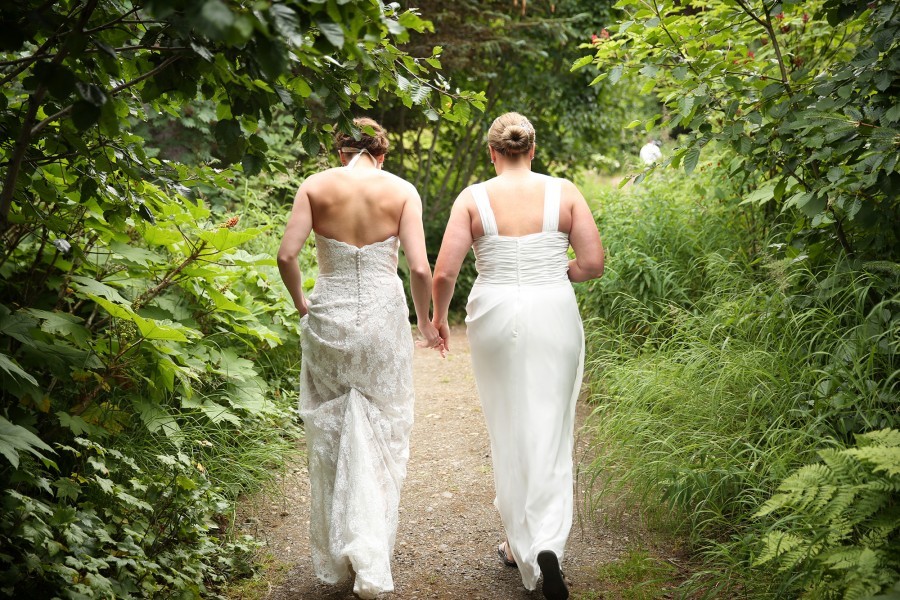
point(358, 280)
point(536, 259)
point(375, 262)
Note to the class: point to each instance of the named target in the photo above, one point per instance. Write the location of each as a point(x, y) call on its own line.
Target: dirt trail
point(449, 528)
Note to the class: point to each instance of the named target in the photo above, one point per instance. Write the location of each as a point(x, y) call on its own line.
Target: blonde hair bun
point(511, 134)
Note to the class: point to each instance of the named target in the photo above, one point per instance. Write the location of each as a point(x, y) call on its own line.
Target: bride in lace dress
point(356, 388)
point(526, 338)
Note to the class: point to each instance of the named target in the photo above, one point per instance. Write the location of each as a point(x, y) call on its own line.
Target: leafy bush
point(147, 347)
point(803, 93)
point(838, 521)
point(116, 529)
point(737, 364)
point(656, 237)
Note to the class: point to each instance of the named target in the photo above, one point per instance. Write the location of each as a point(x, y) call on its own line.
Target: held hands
point(433, 338)
point(444, 331)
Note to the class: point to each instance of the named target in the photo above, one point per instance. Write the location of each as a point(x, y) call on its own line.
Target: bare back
point(357, 206)
point(518, 205)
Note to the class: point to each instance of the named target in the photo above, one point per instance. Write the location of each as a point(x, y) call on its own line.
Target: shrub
point(838, 521)
point(711, 387)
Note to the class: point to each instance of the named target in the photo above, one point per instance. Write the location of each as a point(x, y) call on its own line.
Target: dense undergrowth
point(722, 359)
point(131, 493)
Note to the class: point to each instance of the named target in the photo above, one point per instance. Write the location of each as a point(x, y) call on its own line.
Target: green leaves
point(691, 157)
point(836, 519)
point(807, 101)
point(15, 439)
point(150, 329)
point(333, 32)
point(224, 239)
point(11, 368)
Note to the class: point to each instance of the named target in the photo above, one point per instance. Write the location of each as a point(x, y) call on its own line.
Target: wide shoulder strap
point(552, 193)
point(488, 222)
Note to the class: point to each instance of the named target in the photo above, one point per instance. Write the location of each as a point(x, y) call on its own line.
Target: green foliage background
point(742, 344)
point(745, 338)
point(148, 353)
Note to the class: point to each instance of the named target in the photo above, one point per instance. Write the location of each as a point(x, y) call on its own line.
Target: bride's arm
point(454, 247)
point(584, 239)
point(412, 238)
point(295, 233)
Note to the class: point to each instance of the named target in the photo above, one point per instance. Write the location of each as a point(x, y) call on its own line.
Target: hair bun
point(376, 145)
point(515, 134)
point(511, 133)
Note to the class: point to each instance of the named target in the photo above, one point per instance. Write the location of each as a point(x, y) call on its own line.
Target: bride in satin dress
point(356, 385)
point(526, 339)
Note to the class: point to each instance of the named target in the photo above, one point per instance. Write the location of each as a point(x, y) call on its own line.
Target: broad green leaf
point(814, 205)
point(76, 424)
point(581, 62)
point(691, 157)
point(218, 413)
point(151, 329)
point(215, 18)
point(15, 439)
point(616, 73)
point(333, 32)
point(156, 418)
point(66, 489)
point(7, 364)
point(761, 195)
point(250, 395)
point(116, 310)
point(225, 239)
point(63, 324)
point(137, 255)
point(88, 287)
point(230, 365)
point(224, 303)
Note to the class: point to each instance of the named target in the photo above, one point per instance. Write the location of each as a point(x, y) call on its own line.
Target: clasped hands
point(437, 337)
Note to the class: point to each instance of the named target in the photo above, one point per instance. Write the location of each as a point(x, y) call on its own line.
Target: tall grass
point(717, 369)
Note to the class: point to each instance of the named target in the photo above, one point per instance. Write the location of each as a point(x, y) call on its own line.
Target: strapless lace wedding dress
point(356, 401)
point(527, 346)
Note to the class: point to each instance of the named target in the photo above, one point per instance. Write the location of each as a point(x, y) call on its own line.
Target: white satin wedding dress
point(527, 345)
point(356, 401)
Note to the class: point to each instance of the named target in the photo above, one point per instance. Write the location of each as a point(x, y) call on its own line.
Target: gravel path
point(449, 528)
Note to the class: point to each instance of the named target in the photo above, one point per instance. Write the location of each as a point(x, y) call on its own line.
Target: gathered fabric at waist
point(537, 259)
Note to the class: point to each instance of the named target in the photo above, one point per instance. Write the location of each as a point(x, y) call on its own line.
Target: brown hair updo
point(376, 144)
point(511, 134)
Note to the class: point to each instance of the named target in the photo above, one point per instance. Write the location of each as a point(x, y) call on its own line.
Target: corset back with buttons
point(339, 259)
point(358, 280)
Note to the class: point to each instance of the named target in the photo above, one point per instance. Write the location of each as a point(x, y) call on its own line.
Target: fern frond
point(881, 458)
point(889, 438)
point(777, 543)
point(839, 520)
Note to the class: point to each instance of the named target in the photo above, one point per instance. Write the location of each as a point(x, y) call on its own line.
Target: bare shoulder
point(403, 184)
point(321, 178)
point(569, 187)
point(569, 191)
point(466, 198)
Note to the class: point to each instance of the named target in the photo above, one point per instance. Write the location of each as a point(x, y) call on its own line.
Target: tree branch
point(169, 279)
point(25, 133)
point(113, 22)
point(61, 113)
point(767, 25)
